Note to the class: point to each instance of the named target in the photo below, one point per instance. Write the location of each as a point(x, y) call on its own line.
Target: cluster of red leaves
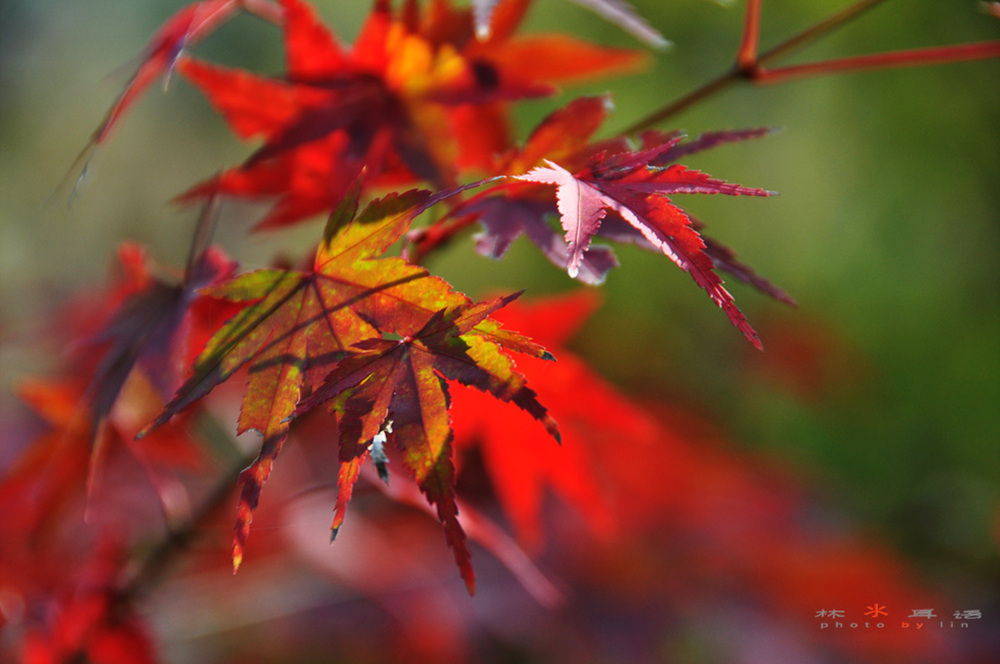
point(654, 514)
point(663, 507)
point(652, 517)
point(421, 98)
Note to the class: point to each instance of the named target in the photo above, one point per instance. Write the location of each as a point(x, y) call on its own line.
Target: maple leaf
point(131, 345)
point(416, 97)
point(87, 621)
point(398, 387)
point(295, 327)
point(563, 135)
point(152, 327)
point(184, 29)
point(506, 212)
point(289, 322)
point(639, 195)
point(54, 474)
point(520, 464)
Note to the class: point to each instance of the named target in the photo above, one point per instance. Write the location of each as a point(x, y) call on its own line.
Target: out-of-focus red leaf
point(88, 623)
point(808, 359)
point(416, 97)
point(57, 470)
point(185, 28)
point(523, 466)
point(679, 515)
point(153, 326)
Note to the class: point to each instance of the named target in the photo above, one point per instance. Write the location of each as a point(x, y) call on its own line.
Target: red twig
point(909, 58)
point(814, 32)
point(749, 65)
point(746, 56)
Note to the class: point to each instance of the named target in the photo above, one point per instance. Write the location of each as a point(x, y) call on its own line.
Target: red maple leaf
point(396, 390)
point(295, 328)
point(625, 184)
point(87, 621)
point(617, 193)
point(520, 463)
point(610, 176)
point(416, 97)
point(184, 29)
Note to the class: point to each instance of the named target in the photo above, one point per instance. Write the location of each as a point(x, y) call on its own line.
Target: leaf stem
point(423, 241)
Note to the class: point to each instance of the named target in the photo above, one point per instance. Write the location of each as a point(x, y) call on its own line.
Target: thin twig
point(821, 29)
point(934, 55)
point(146, 573)
point(747, 71)
point(746, 56)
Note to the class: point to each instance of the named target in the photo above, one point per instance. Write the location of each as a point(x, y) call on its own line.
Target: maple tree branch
point(139, 575)
point(912, 57)
point(746, 68)
point(153, 566)
point(746, 56)
point(815, 32)
point(693, 97)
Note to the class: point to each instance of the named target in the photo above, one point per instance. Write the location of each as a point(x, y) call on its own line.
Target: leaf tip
point(383, 472)
point(660, 43)
point(149, 428)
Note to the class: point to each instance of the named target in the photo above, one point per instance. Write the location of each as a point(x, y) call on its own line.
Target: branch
point(749, 66)
point(815, 32)
point(909, 58)
point(145, 573)
point(746, 56)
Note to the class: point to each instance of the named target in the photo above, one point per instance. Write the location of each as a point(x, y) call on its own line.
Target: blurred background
point(878, 395)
